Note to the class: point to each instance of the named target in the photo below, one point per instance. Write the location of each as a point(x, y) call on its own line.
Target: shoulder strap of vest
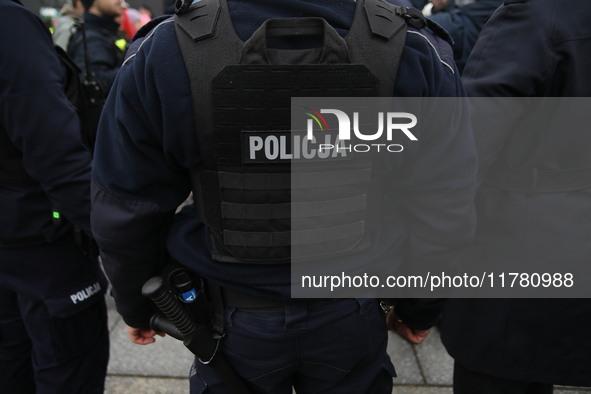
point(376, 39)
point(207, 12)
point(196, 30)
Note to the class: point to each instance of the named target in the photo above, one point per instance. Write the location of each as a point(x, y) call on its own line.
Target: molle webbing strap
point(287, 238)
point(256, 211)
point(329, 207)
point(305, 180)
point(300, 180)
point(206, 185)
point(250, 181)
point(294, 210)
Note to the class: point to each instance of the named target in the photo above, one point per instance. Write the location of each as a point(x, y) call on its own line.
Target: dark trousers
point(338, 348)
point(468, 382)
point(50, 344)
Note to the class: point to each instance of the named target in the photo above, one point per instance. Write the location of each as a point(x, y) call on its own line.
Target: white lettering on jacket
point(86, 293)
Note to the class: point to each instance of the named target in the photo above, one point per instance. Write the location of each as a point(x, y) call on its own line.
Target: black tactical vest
point(241, 90)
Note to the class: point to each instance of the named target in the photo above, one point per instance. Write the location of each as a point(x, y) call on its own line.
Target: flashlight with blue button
point(191, 292)
point(185, 287)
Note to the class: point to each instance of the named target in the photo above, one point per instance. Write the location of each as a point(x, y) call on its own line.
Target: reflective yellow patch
point(121, 43)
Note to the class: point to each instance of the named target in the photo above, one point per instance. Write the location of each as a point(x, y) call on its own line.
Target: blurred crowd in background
point(137, 13)
point(133, 17)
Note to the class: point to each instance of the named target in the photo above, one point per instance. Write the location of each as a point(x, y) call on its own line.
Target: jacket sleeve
point(459, 27)
point(137, 182)
point(435, 191)
point(37, 117)
point(510, 59)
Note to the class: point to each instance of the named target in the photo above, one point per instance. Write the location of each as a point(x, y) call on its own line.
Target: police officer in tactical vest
point(191, 110)
point(53, 323)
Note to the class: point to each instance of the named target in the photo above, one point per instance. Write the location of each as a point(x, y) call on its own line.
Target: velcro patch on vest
point(281, 147)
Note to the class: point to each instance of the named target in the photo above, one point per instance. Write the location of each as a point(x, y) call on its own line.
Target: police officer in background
point(149, 143)
point(105, 46)
point(70, 13)
point(534, 199)
point(53, 323)
point(463, 23)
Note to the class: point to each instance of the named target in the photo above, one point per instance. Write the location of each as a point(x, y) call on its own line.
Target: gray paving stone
point(571, 390)
point(166, 357)
point(405, 362)
point(142, 385)
point(436, 364)
point(422, 390)
point(112, 315)
point(150, 385)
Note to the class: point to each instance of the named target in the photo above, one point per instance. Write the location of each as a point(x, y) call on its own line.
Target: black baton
point(196, 336)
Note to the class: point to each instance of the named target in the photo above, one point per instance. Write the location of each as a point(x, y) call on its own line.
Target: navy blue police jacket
point(529, 49)
point(104, 56)
point(464, 24)
point(38, 120)
point(147, 141)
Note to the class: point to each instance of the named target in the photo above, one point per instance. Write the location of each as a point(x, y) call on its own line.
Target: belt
point(250, 303)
